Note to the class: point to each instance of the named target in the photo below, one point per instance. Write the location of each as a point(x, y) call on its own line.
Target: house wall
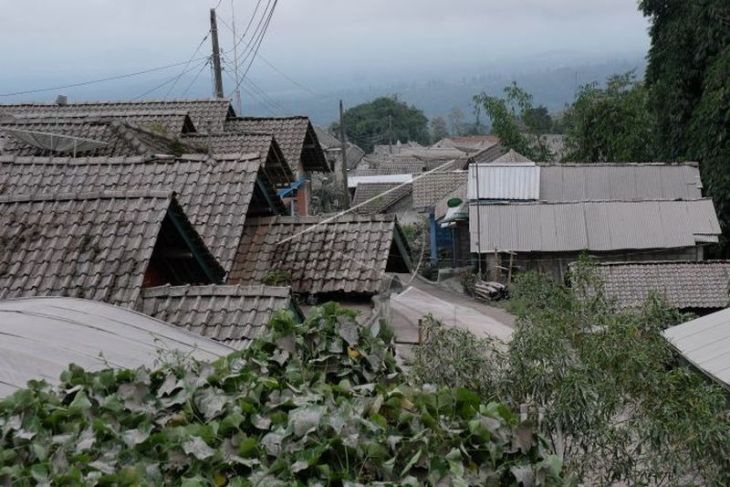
point(555, 264)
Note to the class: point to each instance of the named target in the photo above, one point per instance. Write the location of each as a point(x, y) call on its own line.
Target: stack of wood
point(490, 290)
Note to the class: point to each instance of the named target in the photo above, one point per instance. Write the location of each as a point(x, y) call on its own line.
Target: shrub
point(317, 403)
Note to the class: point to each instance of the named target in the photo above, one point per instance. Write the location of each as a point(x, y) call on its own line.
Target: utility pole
point(235, 59)
point(217, 73)
point(343, 143)
point(390, 133)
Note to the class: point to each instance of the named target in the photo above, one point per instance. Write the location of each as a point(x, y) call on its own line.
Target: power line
point(165, 83)
point(290, 79)
point(100, 80)
point(258, 41)
point(207, 62)
point(205, 37)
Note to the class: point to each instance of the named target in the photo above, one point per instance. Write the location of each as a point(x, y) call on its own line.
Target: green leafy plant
point(317, 403)
point(277, 277)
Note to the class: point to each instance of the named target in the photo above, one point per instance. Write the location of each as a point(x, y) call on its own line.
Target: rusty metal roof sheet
point(348, 255)
point(504, 181)
point(207, 115)
point(230, 314)
point(216, 194)
point(95, 246)
point(597, 226)
point(705, 343)
point(40, 337)
point(295, 136)
point(683, 285)
point(619, 181)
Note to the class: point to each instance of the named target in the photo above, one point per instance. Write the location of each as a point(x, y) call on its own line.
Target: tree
point(439, 129)
point(611, 124)
point(384, 120)
point(603, 384)
point(457, 121)
point(517, 122)
point(687, 77)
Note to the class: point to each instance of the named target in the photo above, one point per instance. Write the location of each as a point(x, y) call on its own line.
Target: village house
point(386, 198)
point(103, 246)
point(698, 287)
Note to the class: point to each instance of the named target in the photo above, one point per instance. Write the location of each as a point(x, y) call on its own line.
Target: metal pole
point(217, 72)
point(475, 165)
point(343, 142)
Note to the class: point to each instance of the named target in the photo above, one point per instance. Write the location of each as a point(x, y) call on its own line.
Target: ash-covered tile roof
point(207, 115)
point(348, 255)
point(380, 166)
point(230, 314)
point(295, 136)
point(684, 285)
point(87, 245)
point(276, 167)
point(83, 137)
point(216, 194)
point(381, 204)
point(429, 189)
point(512, 156)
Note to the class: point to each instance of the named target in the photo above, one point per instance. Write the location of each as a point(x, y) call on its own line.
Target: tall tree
point(383, 120)
point(439, 129)
point(517, 122)
point(611, 124)
point(687, 77)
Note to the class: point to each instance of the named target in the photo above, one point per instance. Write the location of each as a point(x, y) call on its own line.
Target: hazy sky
point(51, 41)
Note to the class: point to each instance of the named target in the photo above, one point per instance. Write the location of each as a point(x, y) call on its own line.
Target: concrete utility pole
point(343, 142)
point(217, 73)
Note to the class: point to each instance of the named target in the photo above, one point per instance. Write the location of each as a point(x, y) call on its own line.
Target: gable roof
point(382, 204)
point(82, 137)
point(208, 115)
point(594, 225)
point(215, 193)
point(295, 136)
point(348, 255)
point(684, 285)
point(167, 123)
point(265, 145)
point(90, 245)
point(42, 336)
point(619, 181)
point(429, 189)
point(468, 143)
point(512, 156)
point(380, 166)
point(704, 343)
point(233, 315)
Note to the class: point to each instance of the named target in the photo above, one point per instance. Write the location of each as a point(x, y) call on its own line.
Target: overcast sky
point(51, 42)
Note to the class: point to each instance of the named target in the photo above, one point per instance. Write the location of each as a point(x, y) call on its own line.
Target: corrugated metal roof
point(683, 285)
point(620, 181)
point(230, 314)
point(497, 181)
point(597, 226)
point(40, 337)
point(705, 342)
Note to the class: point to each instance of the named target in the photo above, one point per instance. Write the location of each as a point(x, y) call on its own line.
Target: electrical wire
point(206, 63)
point(257, 40)
point(100, 80)
point(164, 83)
point(197, 49)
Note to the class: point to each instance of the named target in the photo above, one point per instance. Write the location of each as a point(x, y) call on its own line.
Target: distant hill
point(552, 87)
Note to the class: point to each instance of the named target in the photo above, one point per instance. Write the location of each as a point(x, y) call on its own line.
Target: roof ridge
point(216, 290)
point(119, 102)
point(26, 197)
